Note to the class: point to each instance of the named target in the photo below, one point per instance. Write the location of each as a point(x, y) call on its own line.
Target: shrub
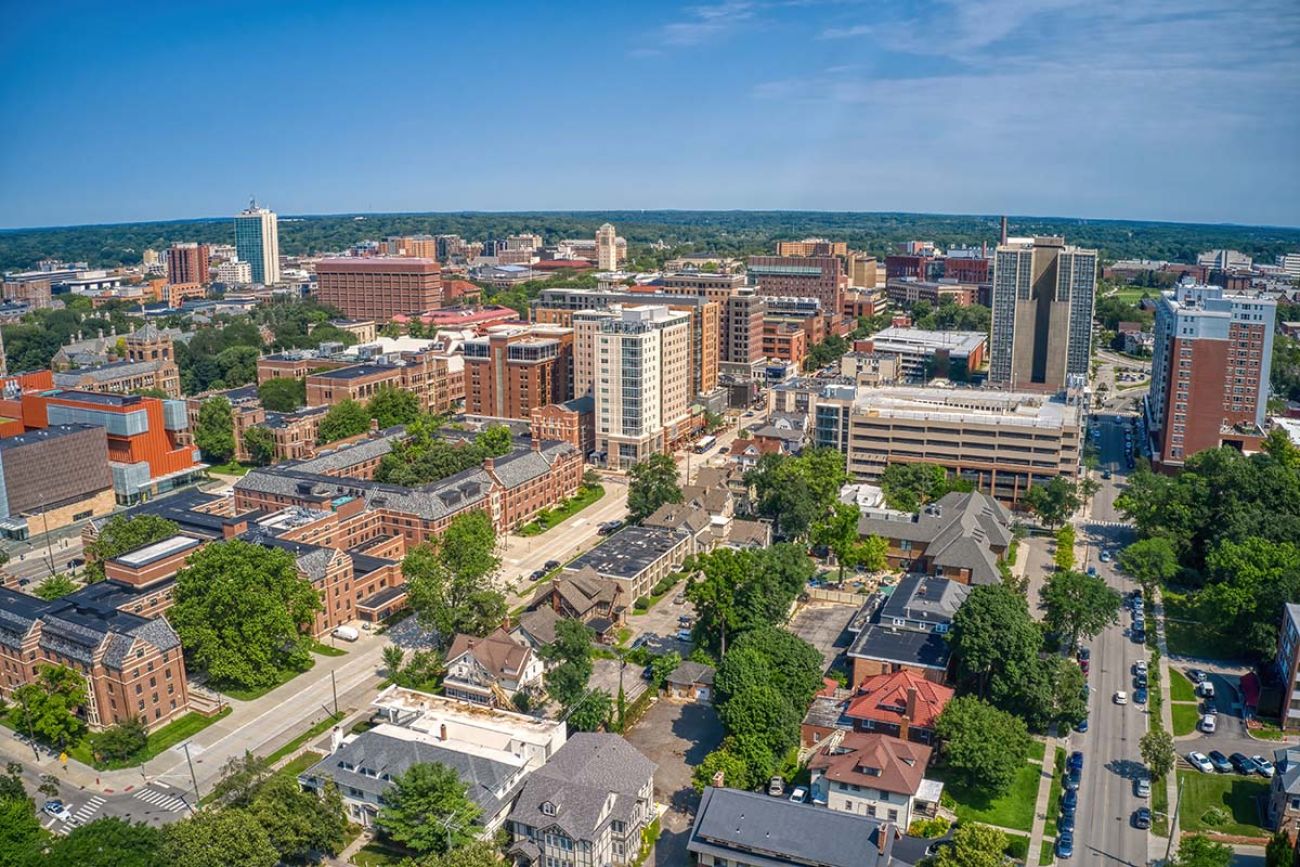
point(1214, 817)
point(936, 827)
point(642, 604)
point(1017, 847)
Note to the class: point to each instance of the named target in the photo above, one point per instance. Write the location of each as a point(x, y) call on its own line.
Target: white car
point(799, 795)
point(1201, 762)
point(1121, 697)
point(1209, 723)
point(1263, 766)
point(1140, 667)
point(56, 809)
point(1104, 556)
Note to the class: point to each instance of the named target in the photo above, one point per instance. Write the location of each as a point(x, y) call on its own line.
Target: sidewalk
point(1041, 805)
point(1156, 846)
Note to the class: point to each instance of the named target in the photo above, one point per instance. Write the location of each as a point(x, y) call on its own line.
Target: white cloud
point(706, 23)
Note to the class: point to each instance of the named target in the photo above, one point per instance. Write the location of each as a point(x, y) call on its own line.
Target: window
point(548, 809)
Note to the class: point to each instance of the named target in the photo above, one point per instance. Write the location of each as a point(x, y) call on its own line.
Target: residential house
point(1284, 792)
point(584, 595)
point(902, 704)
point(686, 518)
point(906, 630)
point(874, 775)
point(692, 681)
point(786, 432)
point(491, 670)
point(586, 807)
point(962, 536)
point(537, 627)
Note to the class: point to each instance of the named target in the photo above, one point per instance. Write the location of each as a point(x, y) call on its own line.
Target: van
point(347, 633)
point(1205, 689)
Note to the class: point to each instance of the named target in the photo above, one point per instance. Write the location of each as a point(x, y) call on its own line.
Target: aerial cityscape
point(922, 493)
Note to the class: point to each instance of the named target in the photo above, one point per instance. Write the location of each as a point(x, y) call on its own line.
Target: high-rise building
point(1290, 264)
point(513, 370)
point(743, 327)
point(812, 247)
point(257, 240)
point(1042, 314)
point(1209, 370)
point(379, 288)
point(641, 381)
point(414, 246)
point(187, 263)
point(233, 272)
point(607, 248)
point(820, 277)
point(1224, 260)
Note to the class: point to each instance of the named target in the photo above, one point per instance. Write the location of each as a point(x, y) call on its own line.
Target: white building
point(607, 248)
point(1290, 264)
point(257, 241)
point(235, 273)
point(1224, 260)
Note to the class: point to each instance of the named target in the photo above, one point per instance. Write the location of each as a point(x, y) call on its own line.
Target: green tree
point(663, 666)
point(653, 482)
point(446, 580)
point(1280, 851)
point(259, 442)
point(1051, 690)
point(214, 433)
point(797, 493)
point(839, 533)
point(21, 835)
point(300, 823)
point(714, 593)
point(993, 638)
point(909, 486)
point(1157, 750)
point(393, 657)
point(794, 666)
point(108, 842)
point(973, 845)
point(480, 853)
point(240, 778)
point(1055, 501)
point(738, 590)
point(123, 740)
point(46, 708)
point(243, 613)
point(218, 838)
point(983, 746)
point(345, 419)
point(56, 586)
point(1063, 556)
point(393, 406)
point(755, 753)
point(1078, 605)
point(1249, 584)
point(427, 807)
point(762, 711)
point(468, 547)
point(1150, 561)
point(122, 534)
point(734, 772)
point(1200, 851)
point(591, 712)
point(282, 394)
point(571, 655)
point(741, 670)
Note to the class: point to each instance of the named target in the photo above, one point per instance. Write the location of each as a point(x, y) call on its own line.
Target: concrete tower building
point(1042, 314)
point(607, 248)
point(257, 240)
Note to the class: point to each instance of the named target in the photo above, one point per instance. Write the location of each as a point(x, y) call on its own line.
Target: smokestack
point(1004, 231)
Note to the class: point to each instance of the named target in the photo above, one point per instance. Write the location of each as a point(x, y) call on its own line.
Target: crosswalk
point(155, 798)
point(80, 816)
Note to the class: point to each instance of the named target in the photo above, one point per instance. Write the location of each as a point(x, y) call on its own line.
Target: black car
point(1065, 824)
point(648, 673)
point(1075, 761)
point(1196, 675)
point(1243, 763)
point(1072, 779)
point(538, 575)
point(1220, 761)
point(551, 564)
point(1085, 653)
point(1139, 681)
point(1142, 817)
point(1105, 474)
point(1139, 636)
point(1070, 802)
point(1064, 845)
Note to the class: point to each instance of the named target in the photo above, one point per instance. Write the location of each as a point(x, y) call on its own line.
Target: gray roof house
point(907, 629)
point(589, 803)
point(960, 536)
point(1284, 791)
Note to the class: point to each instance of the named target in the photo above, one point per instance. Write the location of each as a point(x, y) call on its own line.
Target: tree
point(259, 442)
point(713, 594)
point(243, 613)
point(1157, 750)
point(393, 406)
point(240, 778)
point(762, 711)
point(755, 754)
point(839, 533)
point(1150, 561)
point(299, 823)
point(1078, 605)
point(214, 433)
point(794, 666)
point(798, 492)
point(993, 638)
point(122, 534)
point(1063, 557)
point(480, 853)
point(1053, 502)
point(734, 772)
point(49, 786)
point(345, 419)
point(973, 845)
point(447, 580)
point(123, 740)
point(393, 657)
point(591, 712)
point(1249, 583)
point(571, 655)
point(1280, 851)
point(741, 670)
point(1200, 851)
point(654, 482)
point(217, 838)
point(909, 486)
point(427, 809)
point(662, 666)
point(56, 586)
point(282, 394)
point(46, 708)
point(21, 834)
point(985, 747)
point(738, 590)
point(108, 842)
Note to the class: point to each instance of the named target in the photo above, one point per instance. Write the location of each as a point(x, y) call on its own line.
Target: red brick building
point(820, 277)
point(188, 263)
point(509, 372)
point(572, 422)
point(379, 288)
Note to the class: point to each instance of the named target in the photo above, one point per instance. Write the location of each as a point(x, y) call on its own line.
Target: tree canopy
point(283, 394)
point(217, 838)
point(47, 706)
point(259, 442)
point(985, 747)
point(214, 433)
point(796, 493)
point(447, 580)
point(973, 845)
point(909, 486)
point(121, 534)
point(1055, 501)
point(738, 590)
point(1078, 605)
point(570, 654)
point(653, 482)
point(348, 418)
point(425, 455)
point(393, 406)
point(108, 842)
point(426, 807)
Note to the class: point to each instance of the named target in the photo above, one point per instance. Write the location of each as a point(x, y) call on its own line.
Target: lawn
point(1159, 808)
point(1037, 749)
point(325, 650)
point(1053, 808)
point(378, 854)
point(1196, 639)
point(1131, 294)
point(1014, 808)
point(281, 679)
point(1180, 688)
point(231, 468)
point(299, 764)
point(548, 518)
point(1238, 796)
point(1046, 855)
point(318, 728)
point(163, 739)
point(1185, 718)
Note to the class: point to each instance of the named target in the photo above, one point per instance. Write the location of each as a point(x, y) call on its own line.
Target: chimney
point(442, 732)
point(1004, 231)
point(909, 714)
point(336, 739)
point(374, 426)
point(537, 444)
point(883, 833)
point(717, 780)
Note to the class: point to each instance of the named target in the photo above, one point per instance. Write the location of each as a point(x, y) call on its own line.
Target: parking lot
point(822, 624)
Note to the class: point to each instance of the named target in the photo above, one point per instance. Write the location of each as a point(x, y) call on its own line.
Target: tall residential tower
point(257, 240)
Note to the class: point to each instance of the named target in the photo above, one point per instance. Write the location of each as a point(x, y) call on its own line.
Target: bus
point(705, 443)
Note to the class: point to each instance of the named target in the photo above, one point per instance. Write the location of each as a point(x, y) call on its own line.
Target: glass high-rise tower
point(257, 241)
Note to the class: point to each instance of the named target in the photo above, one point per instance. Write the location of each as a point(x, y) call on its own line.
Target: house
point(745, 534)
point(491, 670)
point(687, 518)
point(902, 704)
point(907, 629)
point(587, 805)
point(1284, 792)
point(692, 681)
point(537, 628)
point(583, 595)
point(786, 432)
point(746, 453)
point(748, 829)
point(874, 775)
point(962, 536)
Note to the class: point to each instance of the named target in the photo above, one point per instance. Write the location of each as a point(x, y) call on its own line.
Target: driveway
point(676, 736)
point(604, 676)
point(822, 624)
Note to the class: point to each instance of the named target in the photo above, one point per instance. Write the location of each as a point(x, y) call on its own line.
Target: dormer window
point(548, 809)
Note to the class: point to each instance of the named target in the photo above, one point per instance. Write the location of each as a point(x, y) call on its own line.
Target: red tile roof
point(883, 698)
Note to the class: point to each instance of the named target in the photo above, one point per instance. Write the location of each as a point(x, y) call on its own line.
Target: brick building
point(188, 263)
point(820, 277)
point(511, 371)
point(379, 288)
point(150, 364)
point(573, 422)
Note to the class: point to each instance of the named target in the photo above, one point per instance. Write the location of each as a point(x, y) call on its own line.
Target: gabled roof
point(581, 590)
point(869, 759)
point(499, 654)
point(540, 624)
point(692, 673)
point(959, 531)
point(679, 516)
point(884, 698)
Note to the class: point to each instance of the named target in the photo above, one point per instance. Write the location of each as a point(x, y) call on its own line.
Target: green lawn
point(1046, 855)
point(281, 679)
point(1014, 808)
point(1132, 294)
point(1159, 808)
point(1238, 796)
point(548, 518)
point(317, 729)
point(299, 764)
point(163, 739)
point(1196, 639)
point(232, 468)
point(1185, 718)
point(325, 650)
point(1037, 749)
point(1054, 794)
point(379, 854)
point(1180, 688)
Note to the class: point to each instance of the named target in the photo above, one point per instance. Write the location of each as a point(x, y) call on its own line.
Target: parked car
point(1242, 763)
point(1073, 778)
point(550, 565)
point(1070, 801)
point(1081, 726)
point(1142, 818)
point(799, 795)
point(1121, 697)
point(1220, 762)
point(56, 809)
point(1140, 667)
point(1142, 787)
point(684, 635)
point(1263, 766)
point(1092, 570)
point(776, 787)
point(1200, 762)
point(76, 563)
point(1196, 675)
point(1205, 689)
point(1065, 824)
point(1139, 636)
point(648, 673)
point(1105, 474)
point(1209, 722)
point(1085, 653)
point(1064, 845)
point(1104, 556)
point(1075, 761)
point(1140, 681)
point(1140, 695)
point(347, 633)
point(1084, 666)
point(679, 599)
point(537, 575)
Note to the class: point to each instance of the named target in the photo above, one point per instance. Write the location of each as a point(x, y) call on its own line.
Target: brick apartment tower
point(820, 277)
point(1209, 371)
point(187, 263)
point(379, 288)
point(512, 371)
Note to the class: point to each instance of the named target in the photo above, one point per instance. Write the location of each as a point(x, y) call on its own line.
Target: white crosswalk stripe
point(158, 799)
point(91, 807)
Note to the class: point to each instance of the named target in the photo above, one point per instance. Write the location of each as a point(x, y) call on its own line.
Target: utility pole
point(193, 779)
point(334, 687)
point(1172, 818)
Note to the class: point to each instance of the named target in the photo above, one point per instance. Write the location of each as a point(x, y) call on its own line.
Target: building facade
point(52, 477)
point(511, 371)
point(257, 241)
point(188, 263)
point(379, 288)
point(820, 277)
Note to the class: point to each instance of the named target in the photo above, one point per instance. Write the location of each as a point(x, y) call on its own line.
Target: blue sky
point(1154, 109)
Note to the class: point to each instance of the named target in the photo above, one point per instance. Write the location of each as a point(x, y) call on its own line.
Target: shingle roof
point(876, 760)
point(498, 653)
point(690, 673)
point(959, 530)
point(540, 624)
point(884, 697)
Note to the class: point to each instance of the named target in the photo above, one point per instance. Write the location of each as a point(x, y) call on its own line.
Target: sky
point(1185, 110)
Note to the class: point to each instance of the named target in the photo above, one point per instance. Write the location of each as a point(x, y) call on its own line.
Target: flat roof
point(157, 551)
point(355, 371)
point(630, 551)
point(40, 435)
point(904, 339)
